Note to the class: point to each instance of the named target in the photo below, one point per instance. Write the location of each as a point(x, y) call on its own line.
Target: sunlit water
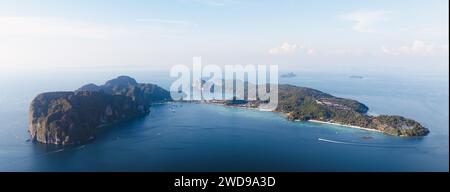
point(201, 137)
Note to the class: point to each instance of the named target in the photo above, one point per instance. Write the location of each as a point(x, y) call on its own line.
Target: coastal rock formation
point(74, 117)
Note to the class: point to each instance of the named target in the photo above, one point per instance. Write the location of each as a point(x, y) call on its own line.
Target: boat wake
point(52, 152)
point(365, 144)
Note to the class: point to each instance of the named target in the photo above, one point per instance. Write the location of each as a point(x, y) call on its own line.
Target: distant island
point(66, 118)
point(288, 75)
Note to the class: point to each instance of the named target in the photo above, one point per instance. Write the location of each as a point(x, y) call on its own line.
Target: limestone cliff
point(74, 117)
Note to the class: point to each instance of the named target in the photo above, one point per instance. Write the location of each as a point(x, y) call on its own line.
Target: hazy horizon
point(355, 37)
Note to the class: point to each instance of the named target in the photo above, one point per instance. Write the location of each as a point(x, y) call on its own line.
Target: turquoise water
point(201, 137)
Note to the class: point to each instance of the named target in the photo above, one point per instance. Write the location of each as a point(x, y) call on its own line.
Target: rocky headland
point(74, 117)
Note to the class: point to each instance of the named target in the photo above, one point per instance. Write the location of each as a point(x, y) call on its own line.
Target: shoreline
point(311, 121)
point(344, 125)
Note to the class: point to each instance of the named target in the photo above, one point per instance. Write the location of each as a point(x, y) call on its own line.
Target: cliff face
point(69, 118)
point(73, 117)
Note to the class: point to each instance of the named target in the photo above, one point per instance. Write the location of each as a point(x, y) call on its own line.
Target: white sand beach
point(351, 126)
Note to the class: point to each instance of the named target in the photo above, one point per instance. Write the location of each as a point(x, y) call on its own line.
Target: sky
point(314, 35)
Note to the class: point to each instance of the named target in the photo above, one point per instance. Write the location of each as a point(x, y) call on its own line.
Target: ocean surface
point(202, 137)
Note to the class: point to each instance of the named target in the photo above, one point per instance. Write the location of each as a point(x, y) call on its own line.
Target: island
point(306, 104)
point(288, 75)
point(65, 118)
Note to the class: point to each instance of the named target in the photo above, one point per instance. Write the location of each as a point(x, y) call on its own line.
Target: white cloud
point(289, 49)
point(365, 20)
point(418, 47)
point(284, 48)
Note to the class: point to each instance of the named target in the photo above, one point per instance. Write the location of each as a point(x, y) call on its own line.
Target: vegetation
point(73, 117)
point(308, 104)
point(300, 103)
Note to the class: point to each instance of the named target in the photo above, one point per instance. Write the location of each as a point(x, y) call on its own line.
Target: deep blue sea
point(201, 137)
